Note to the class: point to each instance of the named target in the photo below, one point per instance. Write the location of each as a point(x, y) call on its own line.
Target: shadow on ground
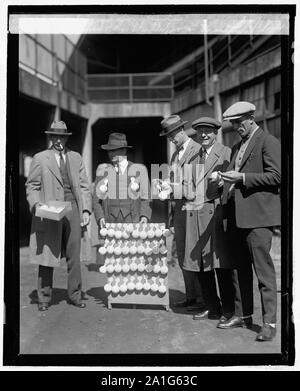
point(58, 295)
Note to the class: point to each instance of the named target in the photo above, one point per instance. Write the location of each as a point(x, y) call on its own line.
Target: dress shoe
point(236, 321)
point(267, 333)
point(43, 306)
point(79, 304)
point(184, 303)
point(224, 319)
point(206, 315)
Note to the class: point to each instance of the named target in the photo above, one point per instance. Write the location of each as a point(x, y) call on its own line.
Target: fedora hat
point(58, 128)
point(116, 141)
point(170, 124)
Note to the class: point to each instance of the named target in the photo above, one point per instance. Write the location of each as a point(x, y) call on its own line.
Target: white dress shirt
point(122, 165)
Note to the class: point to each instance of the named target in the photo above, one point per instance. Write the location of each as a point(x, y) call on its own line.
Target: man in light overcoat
point(58, 174)
point(186, 150)
point(205, 250)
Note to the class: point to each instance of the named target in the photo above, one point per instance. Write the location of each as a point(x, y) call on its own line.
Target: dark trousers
point(71, 241)
point(120, 219)
point(253, 248)
point(215, 304)
point(191, 281)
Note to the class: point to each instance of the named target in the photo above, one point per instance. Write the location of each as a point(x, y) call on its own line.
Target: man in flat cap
point(186, 150)
point(58, 174)
point(205, 251)
point(251, 195)
point(121, 190)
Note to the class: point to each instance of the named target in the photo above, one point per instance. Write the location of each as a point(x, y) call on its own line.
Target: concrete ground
point(65, 329)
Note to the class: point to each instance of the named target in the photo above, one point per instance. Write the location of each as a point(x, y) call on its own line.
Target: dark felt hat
point(116, 141)
point(171, 123)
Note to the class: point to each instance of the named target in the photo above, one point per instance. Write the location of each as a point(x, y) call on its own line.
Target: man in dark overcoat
point(186, 150)
point(205, 251)
point(58, 174)
point(121, 189)
point(251, 196)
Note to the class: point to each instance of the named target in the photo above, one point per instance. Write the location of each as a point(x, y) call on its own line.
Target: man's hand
point(102, 223)
point(143, 220)
point(37, 204)
point(86, 219)
point(231, 176)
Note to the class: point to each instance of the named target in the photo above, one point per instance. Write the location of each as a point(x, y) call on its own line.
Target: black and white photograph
point(149, 185)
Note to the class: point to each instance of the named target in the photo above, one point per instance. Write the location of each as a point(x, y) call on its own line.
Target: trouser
point(225, 304)
point(254, 249)
point(71, 241)
point(191, 281)
point(121, 219)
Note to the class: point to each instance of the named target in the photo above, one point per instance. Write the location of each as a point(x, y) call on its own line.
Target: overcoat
point(110, 204)
point(205, 245)
point(257, 201)
point(44, 183)
point(177, 216)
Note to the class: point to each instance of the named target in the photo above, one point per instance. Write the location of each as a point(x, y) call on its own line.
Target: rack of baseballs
point(135, 263)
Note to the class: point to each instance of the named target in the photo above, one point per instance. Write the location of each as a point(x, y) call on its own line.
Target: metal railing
point(138, 87)
point(54, 68)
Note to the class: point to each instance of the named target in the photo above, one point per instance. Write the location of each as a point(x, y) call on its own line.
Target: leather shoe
point(206, 315)
point(79, 304)
point(43, 306)
point(236, 321)
point(184, 303)
point(224, 319)
point(267, 333)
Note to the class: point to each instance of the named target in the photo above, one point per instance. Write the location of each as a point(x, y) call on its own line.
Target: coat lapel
point(251, 146)
point(188, 153)
point(233, 158)
point(212, 158)
point(53, 166)
point(70, 163)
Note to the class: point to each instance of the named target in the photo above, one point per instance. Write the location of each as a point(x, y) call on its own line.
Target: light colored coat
point(205, 240)
point(188, 156)
point(44, 183)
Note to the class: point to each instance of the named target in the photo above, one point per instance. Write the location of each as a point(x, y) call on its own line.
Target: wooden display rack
point(152, 274)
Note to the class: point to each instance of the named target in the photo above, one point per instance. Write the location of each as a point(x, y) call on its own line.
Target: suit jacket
point(187, 158)
point(111, 204)
point(44, 183)
point(257, 202)
point(205, 240)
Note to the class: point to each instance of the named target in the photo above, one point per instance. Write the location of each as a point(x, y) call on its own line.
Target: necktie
point(202, 155)
point(62, 164)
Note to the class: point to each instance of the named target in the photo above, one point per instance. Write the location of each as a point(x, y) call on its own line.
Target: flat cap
point(206, 121)
point(238, 109)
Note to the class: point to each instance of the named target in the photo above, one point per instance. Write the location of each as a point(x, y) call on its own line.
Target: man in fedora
point(251, 197)
point(186, 150)
point(205, 239)
point(58, 174)
point(121, 190)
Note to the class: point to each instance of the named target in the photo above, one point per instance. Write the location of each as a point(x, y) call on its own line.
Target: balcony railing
point(139, 87)
point(54, 59)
